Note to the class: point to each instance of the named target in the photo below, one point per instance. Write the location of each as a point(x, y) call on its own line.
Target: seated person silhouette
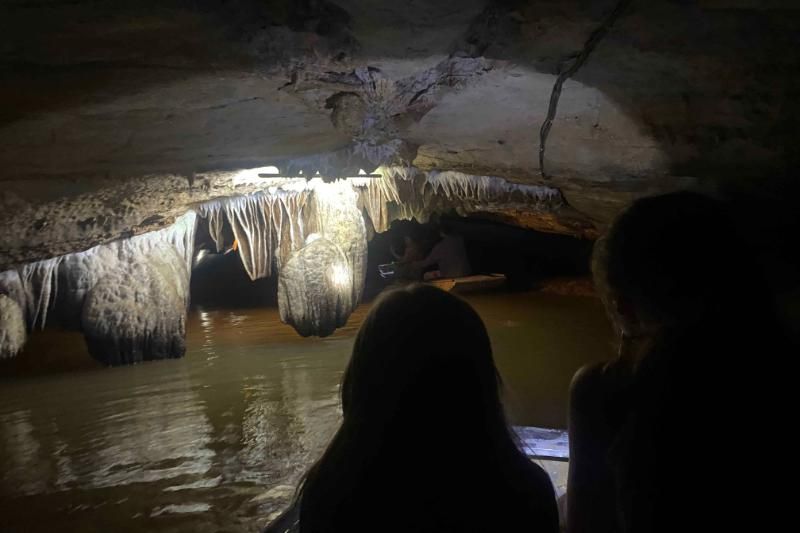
point(424, 445)
point(656, 434)
point(449, 255)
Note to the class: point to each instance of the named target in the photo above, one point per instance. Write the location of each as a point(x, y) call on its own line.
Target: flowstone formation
point(138, 313)
point(267, 226)
point(408, 193)
point(102, 139)
point(12, 327)
point(315, 288)
point(129, 297)
point(312, 233)
point(321, 284)
point(308, 232)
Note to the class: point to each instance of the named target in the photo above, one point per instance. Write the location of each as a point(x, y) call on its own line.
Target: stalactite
point(406, 193)
point(80, 272)
point(377, 195)
point(139, 313)
point(487, 190)
point(12, 327)
point(11, 285)
point(315, 293)
point(339, 220)
point(215, 224)
point(40, 282)
point(262, 224)
point(127, 296)
point(271, 227)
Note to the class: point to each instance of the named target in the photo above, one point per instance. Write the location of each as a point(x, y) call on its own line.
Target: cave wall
point(119, 116)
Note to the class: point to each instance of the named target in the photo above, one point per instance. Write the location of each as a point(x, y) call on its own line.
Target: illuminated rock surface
point(129, 296)
point(315, 288)
point(267, 227)
point(105, 139)
point(12, 327)
point(138, 313)
point(339, 220)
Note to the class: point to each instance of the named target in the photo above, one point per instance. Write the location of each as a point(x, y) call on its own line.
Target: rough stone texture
point(11, 286)
point(58, 287)
point(138, 313)
point(339, 220)
point(96, 290)
point(406, 193)
point(12, 327)
point(119, 116)
point(315, 288)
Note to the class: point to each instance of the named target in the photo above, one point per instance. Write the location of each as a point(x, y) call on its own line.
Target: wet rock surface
point(138, 313)
point(117, 118)
point(315, 288)
point(12, 327)
point(129, 297)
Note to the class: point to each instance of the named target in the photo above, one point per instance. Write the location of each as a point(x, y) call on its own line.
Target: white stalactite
point(138, 313)
point(403, 193)
point(271, 227)
point(12, 327)
point(487, 189)
point(11, 285)
point(263, 224)
point(80, 272)
point(340, 221)
point(40, 282)
point(61, 286)
point(315, 292)
point(377, 197)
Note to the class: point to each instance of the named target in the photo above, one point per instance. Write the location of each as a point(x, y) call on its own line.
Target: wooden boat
point(478, 282)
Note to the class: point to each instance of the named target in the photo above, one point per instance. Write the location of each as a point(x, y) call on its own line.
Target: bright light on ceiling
point(250, 176)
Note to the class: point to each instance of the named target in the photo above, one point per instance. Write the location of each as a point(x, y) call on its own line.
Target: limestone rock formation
point(95, 291)
point(268, 226)
point(138, 313)
point(11, 285)
point(108, 136)
point(12, 327)
point(107, 139)
point(339, 220)
point(315, 288)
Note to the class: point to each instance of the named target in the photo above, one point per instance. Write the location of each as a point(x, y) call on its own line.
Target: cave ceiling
point(123, 114)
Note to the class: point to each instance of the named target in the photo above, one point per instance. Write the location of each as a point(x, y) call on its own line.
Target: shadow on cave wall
point(716, 87)
point(110, 48)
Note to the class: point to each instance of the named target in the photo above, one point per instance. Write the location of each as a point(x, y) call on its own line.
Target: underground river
point(215, 441)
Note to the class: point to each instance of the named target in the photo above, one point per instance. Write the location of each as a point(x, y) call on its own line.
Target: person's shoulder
point(594, 383)
point(588, 382)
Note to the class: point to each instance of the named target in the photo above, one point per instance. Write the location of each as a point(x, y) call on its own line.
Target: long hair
point(423, 428)
point(678, 260)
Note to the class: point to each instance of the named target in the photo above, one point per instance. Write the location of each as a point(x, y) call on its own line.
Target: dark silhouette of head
point(423, 435)
point(674, 260)
point(677, 273)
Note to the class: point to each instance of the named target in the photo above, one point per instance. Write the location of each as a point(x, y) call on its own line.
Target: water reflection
point(217, 440)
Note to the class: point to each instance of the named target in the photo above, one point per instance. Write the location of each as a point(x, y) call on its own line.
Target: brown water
point(216, 440)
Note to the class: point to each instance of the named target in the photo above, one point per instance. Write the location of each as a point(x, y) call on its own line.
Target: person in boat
point(412, 251)
point(424, 445)
point(655, 435)
point(449, 255)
